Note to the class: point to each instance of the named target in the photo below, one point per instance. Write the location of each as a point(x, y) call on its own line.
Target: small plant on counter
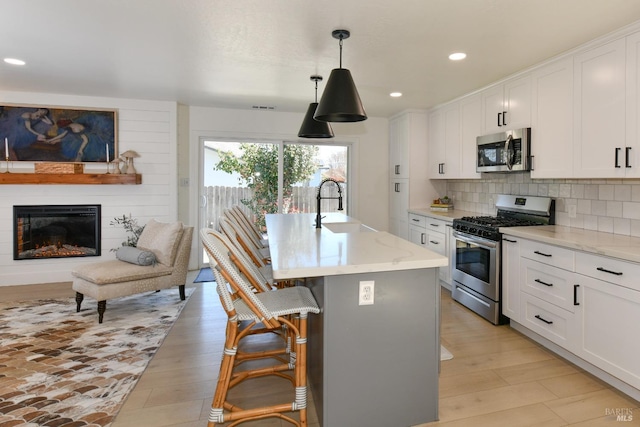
point(131, 226)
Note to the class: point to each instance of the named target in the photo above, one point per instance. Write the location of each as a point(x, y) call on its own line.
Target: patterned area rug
point(62, 368)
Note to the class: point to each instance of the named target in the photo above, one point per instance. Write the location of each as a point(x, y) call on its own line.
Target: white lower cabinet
point(511, 277)
point(552, 322)
point(587, 304)
point(432, 234)
point(610, 315)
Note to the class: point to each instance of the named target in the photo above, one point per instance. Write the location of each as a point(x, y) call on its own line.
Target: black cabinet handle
point(543, 283)
point(435, 225)
point(548, 322)
point(504, 118)
point(397, 169)
point(499, 114)
point(540, 253)
point(617, 152)
point(435, 243)
point(626, 157)
point(397, 187)
point(414, 219)
point(531, 163)
point(575, 294)
point(423, 238)
point(617, 273)
point(441, 168)
point(509, 240)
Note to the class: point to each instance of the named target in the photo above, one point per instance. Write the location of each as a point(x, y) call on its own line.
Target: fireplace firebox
point(56, 231)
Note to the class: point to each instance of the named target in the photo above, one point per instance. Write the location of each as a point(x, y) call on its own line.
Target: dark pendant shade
point(340, 101)
point(312, 128)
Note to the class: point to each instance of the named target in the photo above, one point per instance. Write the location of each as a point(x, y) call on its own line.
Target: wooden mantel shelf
point(69, 178)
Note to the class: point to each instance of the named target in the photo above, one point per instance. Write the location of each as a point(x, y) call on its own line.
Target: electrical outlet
point(365, 297)
point(572, 209)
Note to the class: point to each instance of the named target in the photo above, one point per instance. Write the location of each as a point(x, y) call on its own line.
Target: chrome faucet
point(319, 198)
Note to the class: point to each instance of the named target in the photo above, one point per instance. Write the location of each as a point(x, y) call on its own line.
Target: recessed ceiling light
point(395, 94)
point(14, 61)
point(457, 56)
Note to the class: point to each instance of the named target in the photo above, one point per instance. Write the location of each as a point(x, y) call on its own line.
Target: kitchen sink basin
point(347, 227)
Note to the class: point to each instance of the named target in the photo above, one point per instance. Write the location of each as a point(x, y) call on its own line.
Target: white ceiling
point(245, 53)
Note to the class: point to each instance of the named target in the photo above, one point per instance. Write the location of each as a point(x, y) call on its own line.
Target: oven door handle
point(488, 244)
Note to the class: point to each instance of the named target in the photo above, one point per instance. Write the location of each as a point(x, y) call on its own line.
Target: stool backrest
point(217, 247)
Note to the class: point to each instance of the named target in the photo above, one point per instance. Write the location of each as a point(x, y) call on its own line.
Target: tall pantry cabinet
point(409, 185)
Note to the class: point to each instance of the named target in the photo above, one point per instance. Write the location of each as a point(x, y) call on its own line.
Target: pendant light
point(312, 128)
point(340, 101)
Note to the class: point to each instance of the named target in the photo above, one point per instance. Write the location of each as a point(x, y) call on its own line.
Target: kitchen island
point(374, 364)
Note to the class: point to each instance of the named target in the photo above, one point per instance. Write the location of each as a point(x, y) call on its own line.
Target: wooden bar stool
point(289, 306)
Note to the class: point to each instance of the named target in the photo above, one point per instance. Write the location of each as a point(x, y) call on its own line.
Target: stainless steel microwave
point(507, 151)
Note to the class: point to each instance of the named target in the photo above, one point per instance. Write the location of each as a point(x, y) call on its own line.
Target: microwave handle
point(507, 146)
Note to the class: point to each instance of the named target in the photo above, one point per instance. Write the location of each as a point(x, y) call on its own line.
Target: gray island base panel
point(375, 365)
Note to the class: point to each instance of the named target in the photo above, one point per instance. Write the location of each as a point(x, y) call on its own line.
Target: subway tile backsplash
point(607, 205)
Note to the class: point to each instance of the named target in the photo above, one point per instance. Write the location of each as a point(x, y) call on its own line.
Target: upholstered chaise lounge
point(171, 247)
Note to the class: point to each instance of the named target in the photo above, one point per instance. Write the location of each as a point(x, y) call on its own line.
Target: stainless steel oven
point(476, 263)
point(476, 251)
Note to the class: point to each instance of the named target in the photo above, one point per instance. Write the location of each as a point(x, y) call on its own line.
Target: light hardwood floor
point(497, 376)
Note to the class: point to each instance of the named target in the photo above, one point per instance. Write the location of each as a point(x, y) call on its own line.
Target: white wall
point(148, 127)
point(370, 168)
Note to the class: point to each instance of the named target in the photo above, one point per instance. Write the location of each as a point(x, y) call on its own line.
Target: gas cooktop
point(513, 211)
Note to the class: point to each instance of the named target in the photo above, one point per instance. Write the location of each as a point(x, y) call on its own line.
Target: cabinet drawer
point(610, 270)
point(436, 243)
point(548, 254)
point(417, 220)
point(550, 284)
point(548, 320)
point(437, 225)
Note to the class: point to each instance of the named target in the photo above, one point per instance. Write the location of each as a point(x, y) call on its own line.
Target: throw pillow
point(162, 239)
point(135, 255)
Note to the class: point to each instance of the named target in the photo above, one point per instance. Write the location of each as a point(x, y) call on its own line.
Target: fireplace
point(56, 231)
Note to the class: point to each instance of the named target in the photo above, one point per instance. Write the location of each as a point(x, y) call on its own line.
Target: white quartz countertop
point(298, 249)
point(446, 215)
point(608, 244)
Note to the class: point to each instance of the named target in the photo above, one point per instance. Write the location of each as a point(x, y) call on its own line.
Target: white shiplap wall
point(147, 127)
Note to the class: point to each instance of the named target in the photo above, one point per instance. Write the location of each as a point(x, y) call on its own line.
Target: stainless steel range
point(476, 268)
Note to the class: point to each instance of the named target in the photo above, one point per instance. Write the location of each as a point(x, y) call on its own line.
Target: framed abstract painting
point(33, 133)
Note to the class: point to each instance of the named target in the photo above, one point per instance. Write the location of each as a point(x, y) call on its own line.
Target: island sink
point(348, 227)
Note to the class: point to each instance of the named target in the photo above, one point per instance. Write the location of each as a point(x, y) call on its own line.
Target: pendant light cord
point(316, 90)
point(340, 51)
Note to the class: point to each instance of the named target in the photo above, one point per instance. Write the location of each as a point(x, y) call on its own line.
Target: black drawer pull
point(435, 225)
point(435, 243)
point(397, 169)
point(548, 322)
point(575, 294)
point(509, 240)
point(617, 273)
point(543, 283)
point(543, 254)
point(415, 220)
point(423, 238)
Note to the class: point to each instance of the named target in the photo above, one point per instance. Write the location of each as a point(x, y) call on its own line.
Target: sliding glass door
point(265, 177)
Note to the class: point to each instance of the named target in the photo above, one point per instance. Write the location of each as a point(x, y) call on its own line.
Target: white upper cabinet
point(453, 129)
point(444, 142)
point(600, 111)
point(552, 120)
point(470, 129)
point(632, 147)
point(399, 147)
point(507, 106)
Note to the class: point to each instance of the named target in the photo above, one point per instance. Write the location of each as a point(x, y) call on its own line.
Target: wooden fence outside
point(303, 200)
